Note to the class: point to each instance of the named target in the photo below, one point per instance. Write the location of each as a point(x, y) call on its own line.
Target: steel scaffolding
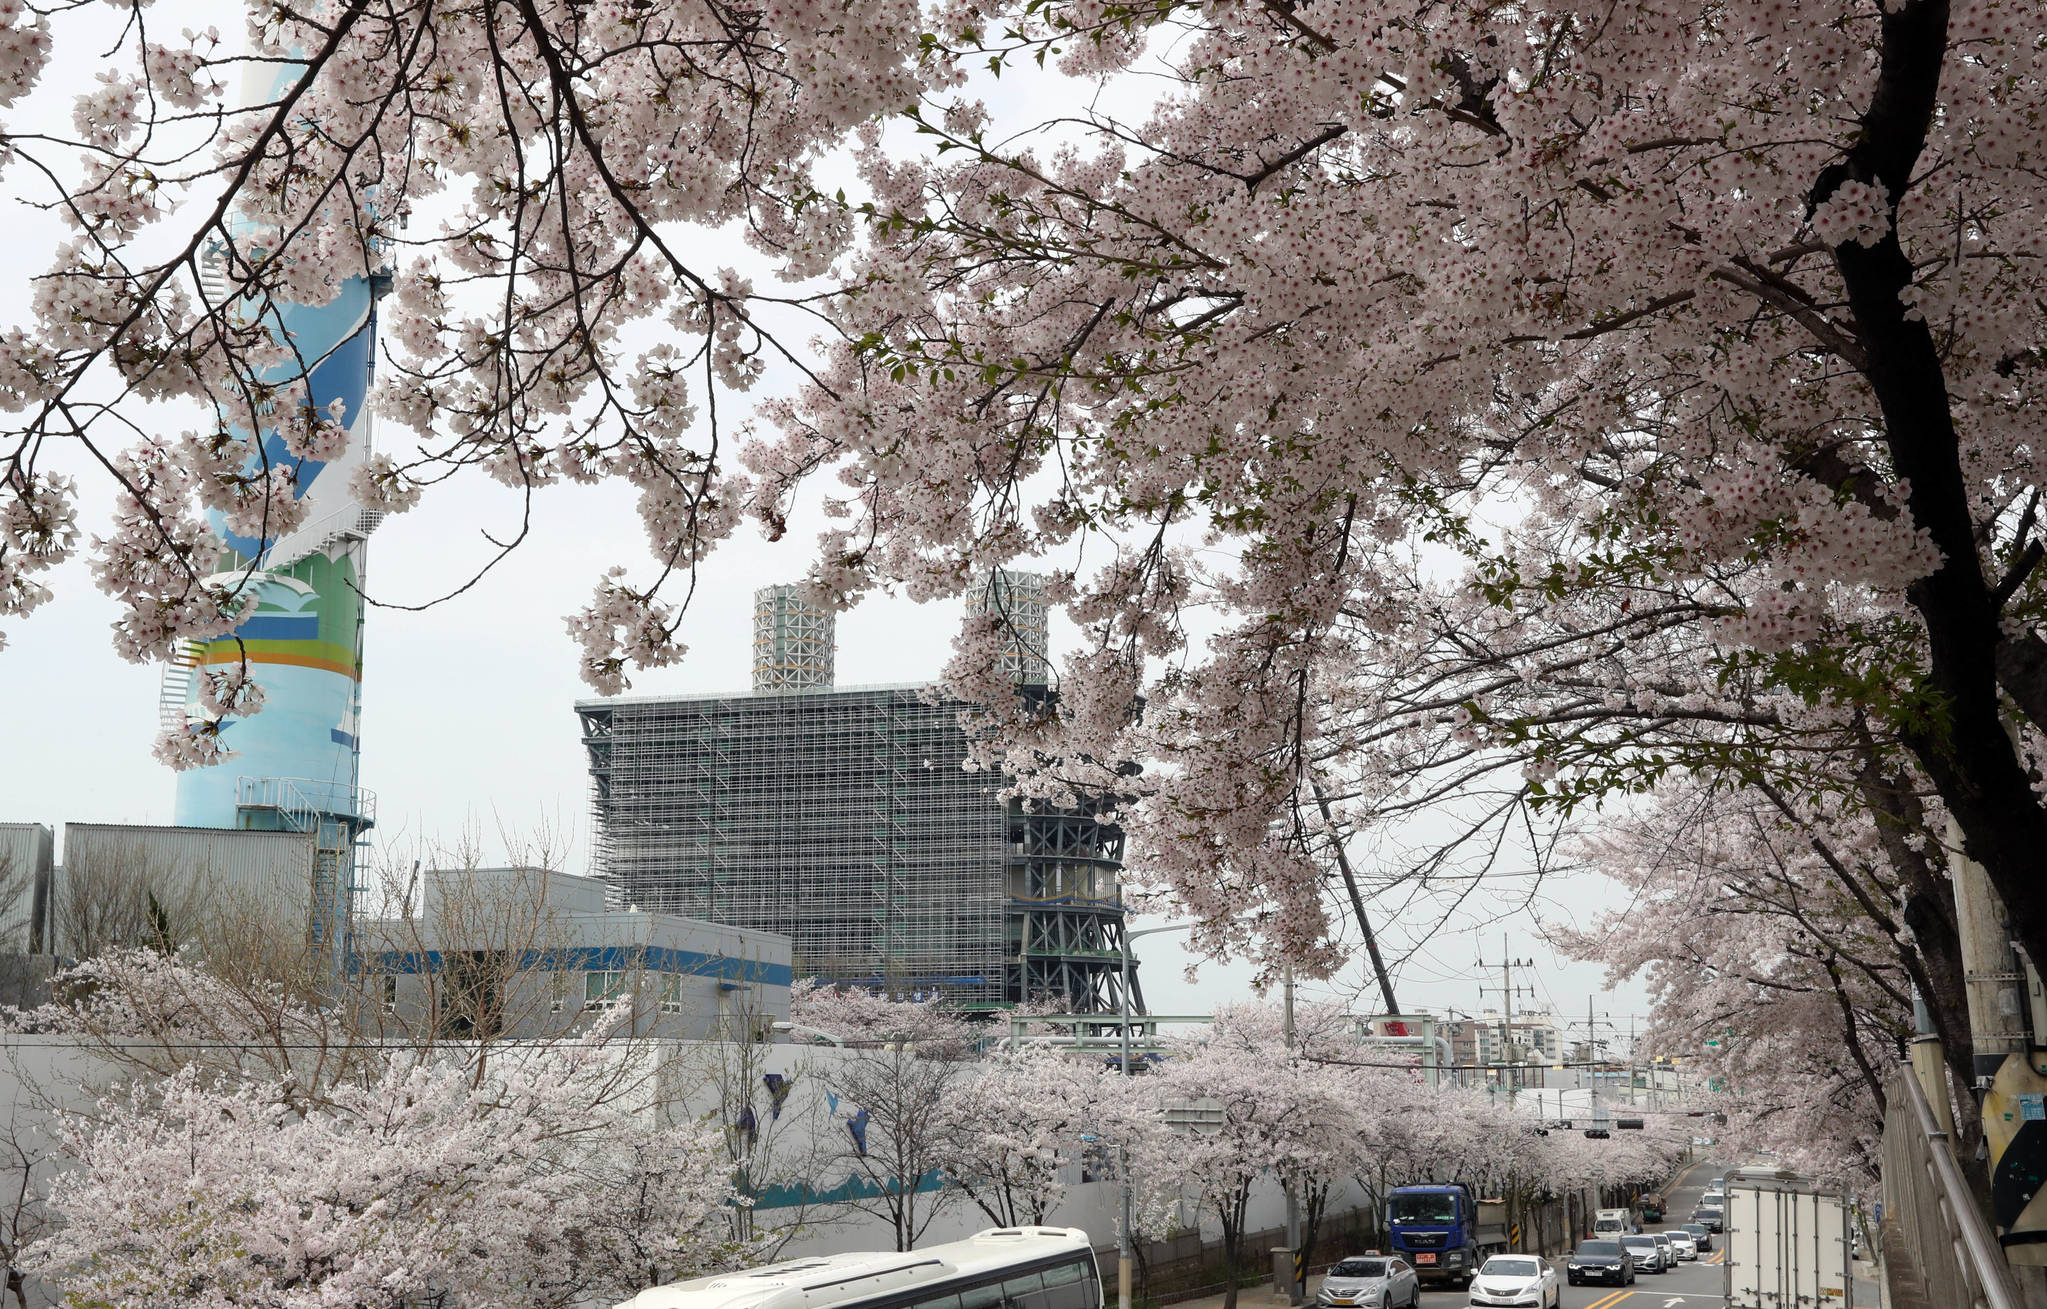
point(794, 641)
point(844, 819)
point(1017, 602)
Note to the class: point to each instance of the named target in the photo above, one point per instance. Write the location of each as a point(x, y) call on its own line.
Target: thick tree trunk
point(1232, 1211)
point(1314, 1202)
point(2022, 672)
point(1961, 742)
point(1933, 955)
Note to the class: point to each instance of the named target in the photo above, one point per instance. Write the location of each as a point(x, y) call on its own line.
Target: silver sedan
point(1371, 1281)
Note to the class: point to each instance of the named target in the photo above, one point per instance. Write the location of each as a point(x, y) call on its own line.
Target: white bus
point(1001, 1268)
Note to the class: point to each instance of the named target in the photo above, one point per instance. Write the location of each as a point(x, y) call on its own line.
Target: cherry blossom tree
point(1267, 1117)
point(1326, 1141)
point(28, 1164)
point(778, 1135)
point(586, 1120)
point(860, 1017)
point(521, 179)
point(1320, 1029)
point(1766, 971)
point(906, 1059)
point(419, 1186)
point(149, 1015)
point(245, 1006)
point(1568, 295)
point(1020, 1124)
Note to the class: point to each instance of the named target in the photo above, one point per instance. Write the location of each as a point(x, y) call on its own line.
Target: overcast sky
point(467, 724)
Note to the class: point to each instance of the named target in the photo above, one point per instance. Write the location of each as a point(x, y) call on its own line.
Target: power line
point(1358, 1063)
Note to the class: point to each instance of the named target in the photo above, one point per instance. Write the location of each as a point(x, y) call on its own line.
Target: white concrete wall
point(1094, 1207)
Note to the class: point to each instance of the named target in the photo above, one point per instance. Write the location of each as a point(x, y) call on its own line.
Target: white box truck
point(1786, 1242)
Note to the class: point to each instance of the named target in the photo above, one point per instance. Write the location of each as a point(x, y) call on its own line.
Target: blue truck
point(1444, 1230)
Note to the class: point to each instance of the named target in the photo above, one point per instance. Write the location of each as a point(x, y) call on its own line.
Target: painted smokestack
point(296, 765)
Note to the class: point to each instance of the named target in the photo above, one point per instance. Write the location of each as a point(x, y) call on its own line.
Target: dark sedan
point(1600, 1261)
point(1712, 1216)
point(1701, 1234)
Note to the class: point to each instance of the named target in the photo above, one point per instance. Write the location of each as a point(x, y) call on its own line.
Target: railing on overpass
point(1927, 1203)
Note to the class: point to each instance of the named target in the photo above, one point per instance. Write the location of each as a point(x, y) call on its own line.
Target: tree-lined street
point(1410, 468)
point(1699, 1285)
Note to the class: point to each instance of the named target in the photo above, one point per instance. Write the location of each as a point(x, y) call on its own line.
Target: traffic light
point(1597, 1134)
point(1628, 1124)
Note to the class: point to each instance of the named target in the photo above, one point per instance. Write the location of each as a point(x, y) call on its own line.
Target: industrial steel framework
point(794, 641)
point(1067, 908)
point(335, 816)
point(1017, 602)
point(844, 818)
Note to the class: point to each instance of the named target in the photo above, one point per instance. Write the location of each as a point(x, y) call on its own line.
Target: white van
point(1613, 1223)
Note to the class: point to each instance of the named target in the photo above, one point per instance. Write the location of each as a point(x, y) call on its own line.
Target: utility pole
point(1124, 1250)
point(1631, 1061)
point(1591, 1062)
point(1507, 965)
point(2000, 1032)
point(1591, 1042)
point(1507, 990)
point(1991, 975)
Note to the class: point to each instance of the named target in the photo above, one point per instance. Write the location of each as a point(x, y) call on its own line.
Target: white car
point(1648, 1255)
point(1686, 1245)
point(1517, 1279)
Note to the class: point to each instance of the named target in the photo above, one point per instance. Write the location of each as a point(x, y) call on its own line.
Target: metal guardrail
point(306, 798)
point(349, 522)
point(1927, 1197)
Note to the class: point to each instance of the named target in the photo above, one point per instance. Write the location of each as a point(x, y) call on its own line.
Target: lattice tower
point(794, 640)
point(1017, 601)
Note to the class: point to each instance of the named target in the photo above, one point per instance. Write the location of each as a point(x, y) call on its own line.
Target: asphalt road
point(1687, 1286)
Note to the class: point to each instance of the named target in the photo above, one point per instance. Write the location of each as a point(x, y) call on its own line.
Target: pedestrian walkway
point(1261, 1296)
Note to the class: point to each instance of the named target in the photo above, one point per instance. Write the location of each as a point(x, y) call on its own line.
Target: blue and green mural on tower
point(303, 633)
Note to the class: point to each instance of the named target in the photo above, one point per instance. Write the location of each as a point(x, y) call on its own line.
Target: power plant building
point(843, 818)
point(529, 952)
